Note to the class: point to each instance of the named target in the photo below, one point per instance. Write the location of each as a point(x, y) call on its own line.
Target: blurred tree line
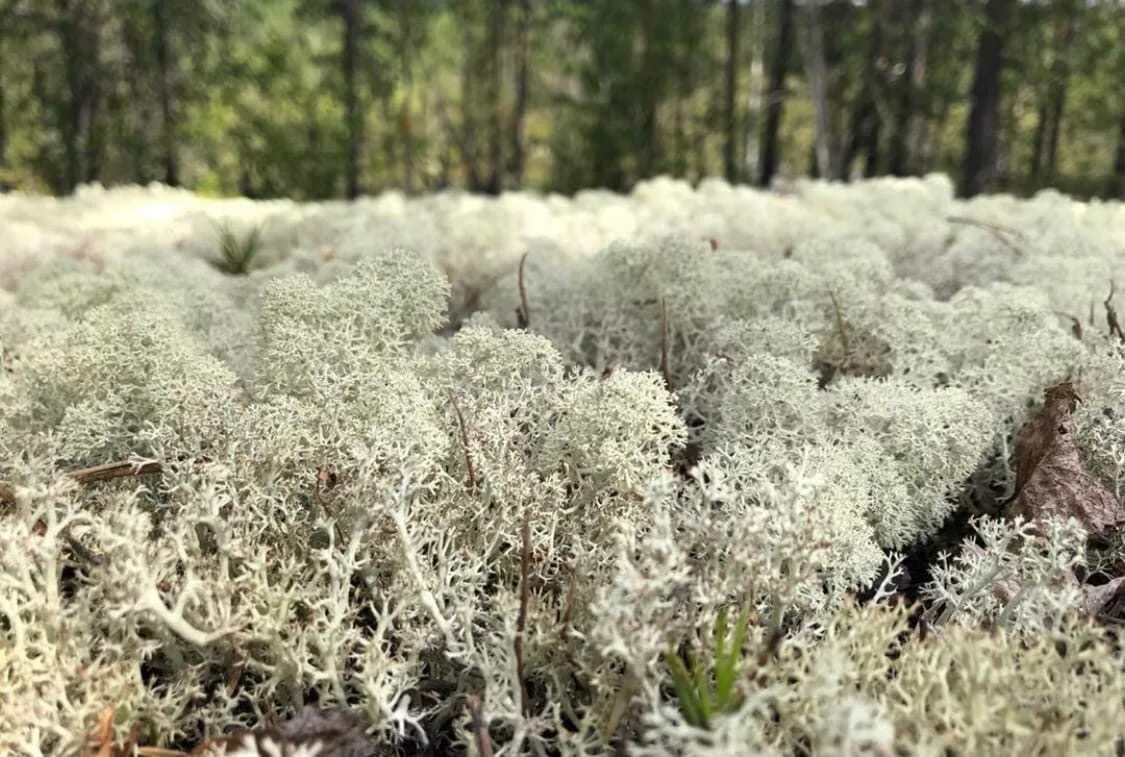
point(332, 98)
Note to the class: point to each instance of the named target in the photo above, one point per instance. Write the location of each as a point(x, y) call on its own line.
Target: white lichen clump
point(392, 467)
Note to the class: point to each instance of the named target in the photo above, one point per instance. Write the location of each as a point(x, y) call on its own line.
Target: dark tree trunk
point(1038, 142)
point(647, 127)
point(730, 94)
point(169, 154)
point(497, 13)
point(523, 92)
point(3, 117)
point(816, 72)
point(468, 143)
point(1117, 180)
point(74, 105)
point(350, 9)
point(775, 93)
point(920, 45)
point(863, 129)
point(138, 43)
point(406, 117)
point(980, 164)
point(1057, 97)
point(899, 152)
point(95, 134)
point(871, 154)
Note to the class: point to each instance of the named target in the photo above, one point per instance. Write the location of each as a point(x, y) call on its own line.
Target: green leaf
point(686, 692)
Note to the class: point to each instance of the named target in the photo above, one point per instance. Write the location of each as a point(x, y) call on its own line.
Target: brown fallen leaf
point(1107, 600)
point(1050, 477)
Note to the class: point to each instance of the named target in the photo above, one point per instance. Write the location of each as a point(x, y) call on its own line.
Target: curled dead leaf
point(1050, 477)
point(1107, 600)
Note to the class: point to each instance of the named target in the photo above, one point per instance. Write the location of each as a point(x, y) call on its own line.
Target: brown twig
point(997, 230)
point(116, 470)
point(665, 371)
point(1075, 324)
point(521, 619)
point(480, 727)
point(841, 324)
point(568, 604)
point(326, 480)
point(94, 474)
point(100, 740)
point(523, 312)
point(464, 442)
point(1111, 315)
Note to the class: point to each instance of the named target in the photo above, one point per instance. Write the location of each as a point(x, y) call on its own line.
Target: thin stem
point(464, 442)
point(523, 313)
point(480, 726)
point(995, 229)
point(521, 619)
point(665, 370)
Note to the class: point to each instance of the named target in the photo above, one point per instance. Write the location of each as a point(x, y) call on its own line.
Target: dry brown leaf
point(1107, 599)
point(1050, 477)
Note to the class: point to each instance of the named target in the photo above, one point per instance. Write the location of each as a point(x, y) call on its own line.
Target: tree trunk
point(920, 44)
point(523, 83)
point(350, 9)
point(406, 119)
point(647, 128)
point(775, 93)
point(816, 72)
point(498, 10)
point(980, 163)
point(468, 143)
point(730, 98)
point(95, 134)
point(863, 130)
point(1117, 180)
point(3, 119)
point(1039, 142)
point(871, 152)
point(74, 105)
point(899, 155)
point(169, 156)
point(1056, 98)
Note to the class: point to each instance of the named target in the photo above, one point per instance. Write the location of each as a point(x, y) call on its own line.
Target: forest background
point(316, 99)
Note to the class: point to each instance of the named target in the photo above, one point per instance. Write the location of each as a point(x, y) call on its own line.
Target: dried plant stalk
point(480, 727)
point(521, 619)
point(464, 442)
point(523, 312)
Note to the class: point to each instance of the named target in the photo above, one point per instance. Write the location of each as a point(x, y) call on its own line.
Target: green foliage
point(237, 254)
point(253, 98)
point(705, 690)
